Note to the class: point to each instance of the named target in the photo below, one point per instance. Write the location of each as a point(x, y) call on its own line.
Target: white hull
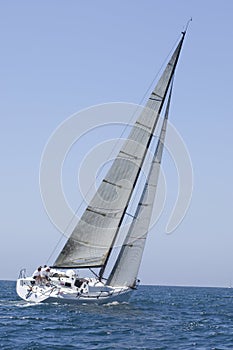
point(70, 289)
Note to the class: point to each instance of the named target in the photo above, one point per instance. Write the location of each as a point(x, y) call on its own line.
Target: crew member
point(37, 275)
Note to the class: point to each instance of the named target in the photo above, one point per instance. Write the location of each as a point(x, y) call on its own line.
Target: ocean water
point(155, 318)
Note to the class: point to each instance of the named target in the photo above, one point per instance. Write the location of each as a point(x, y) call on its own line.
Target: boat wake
point(116, 303)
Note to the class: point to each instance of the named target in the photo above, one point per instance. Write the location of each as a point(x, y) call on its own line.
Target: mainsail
point(125, 270)
point(91, 241)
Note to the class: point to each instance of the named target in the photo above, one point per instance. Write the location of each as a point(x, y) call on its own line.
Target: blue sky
point(58, 57)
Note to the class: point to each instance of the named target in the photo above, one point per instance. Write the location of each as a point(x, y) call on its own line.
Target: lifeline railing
point(22, 273)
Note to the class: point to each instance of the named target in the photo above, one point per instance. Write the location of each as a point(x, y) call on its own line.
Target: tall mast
point(92, 240)
point(154, 96)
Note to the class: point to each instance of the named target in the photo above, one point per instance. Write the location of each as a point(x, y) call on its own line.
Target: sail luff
point(125, 270)
point(91, 241)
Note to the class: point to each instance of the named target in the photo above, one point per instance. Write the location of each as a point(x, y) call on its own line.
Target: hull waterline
point(56, 290)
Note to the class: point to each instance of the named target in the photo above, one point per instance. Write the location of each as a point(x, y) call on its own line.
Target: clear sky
point(58, 57)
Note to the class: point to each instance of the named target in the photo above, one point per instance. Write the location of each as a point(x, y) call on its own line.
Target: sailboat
point(91, 244)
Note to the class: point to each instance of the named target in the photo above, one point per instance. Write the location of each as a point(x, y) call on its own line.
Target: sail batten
point(100, 228)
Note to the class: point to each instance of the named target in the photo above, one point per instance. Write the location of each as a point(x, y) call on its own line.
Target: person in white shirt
point(45, 274)
point(37, 275)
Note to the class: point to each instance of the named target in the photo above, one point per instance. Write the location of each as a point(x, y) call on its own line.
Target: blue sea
point(155, 318)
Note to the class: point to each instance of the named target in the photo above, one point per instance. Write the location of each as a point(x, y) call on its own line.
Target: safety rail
point(22, 273)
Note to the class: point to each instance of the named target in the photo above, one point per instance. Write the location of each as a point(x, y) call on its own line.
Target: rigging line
point(150, 87)
point(133, 236)
point(187, 25)
point(92, 271)
point(179, 47)
point(160, 69)
point(142, 99)
point(149, 157)
point(142, 180)
point(55, 248)
point(139, 105)
point(63, 234)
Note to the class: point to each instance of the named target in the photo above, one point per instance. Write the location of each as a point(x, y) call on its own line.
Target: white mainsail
point(91, 241)
point(125, 270)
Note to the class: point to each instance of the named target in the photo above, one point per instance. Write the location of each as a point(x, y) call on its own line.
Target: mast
point(132, 249)
point(92, 240)
point(154, 96)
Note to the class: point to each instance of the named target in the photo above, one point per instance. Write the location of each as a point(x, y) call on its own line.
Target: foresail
point(90, 243)
point(125, 270)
